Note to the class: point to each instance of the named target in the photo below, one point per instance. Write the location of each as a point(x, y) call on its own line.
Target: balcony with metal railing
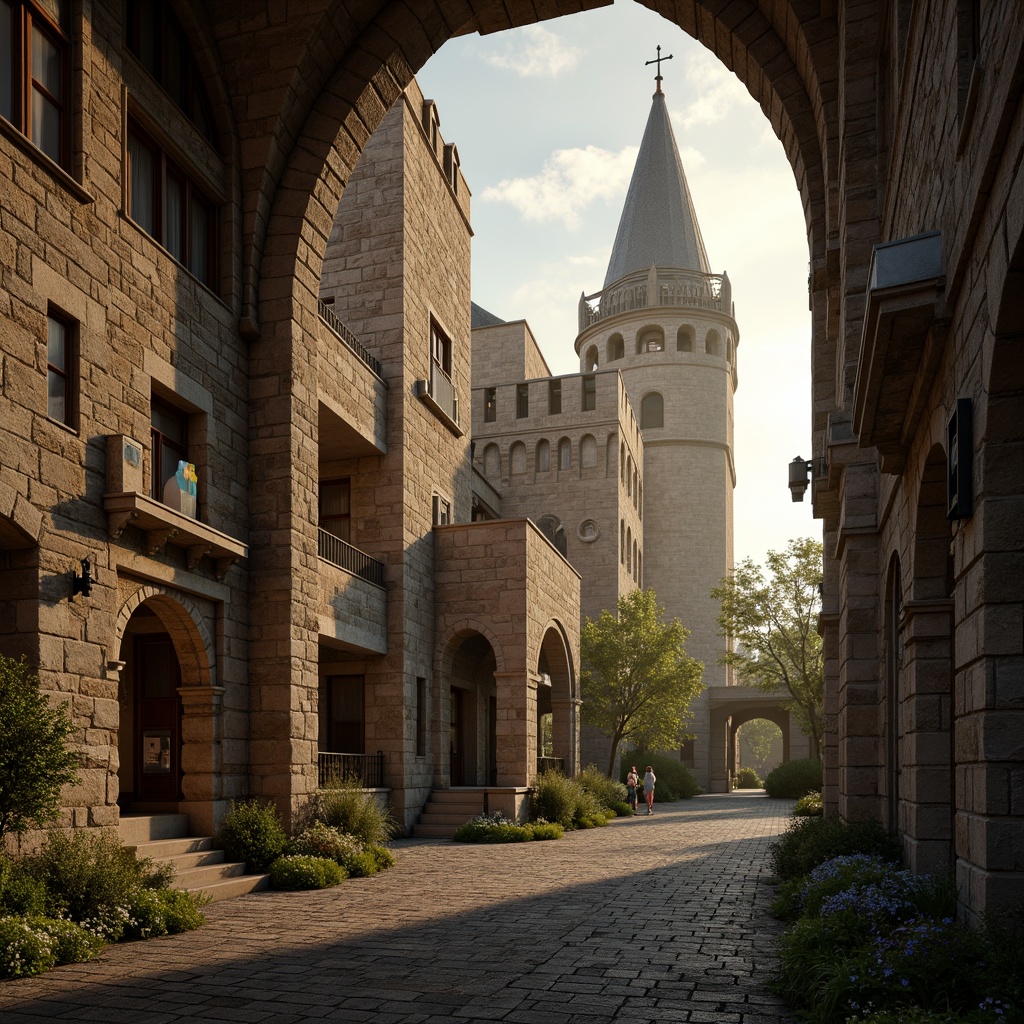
point(366, 770)
point(341, 330)
point(659, 286)
point(353, 598)
point(439, 394)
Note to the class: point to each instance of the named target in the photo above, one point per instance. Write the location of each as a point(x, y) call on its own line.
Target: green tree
point(637, 679)
point(756, 739)
point(34, 759)
point(772, 616)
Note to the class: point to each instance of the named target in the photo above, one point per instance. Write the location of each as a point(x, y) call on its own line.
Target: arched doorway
point(557, 706)
point(169, 709)
point(471, 698)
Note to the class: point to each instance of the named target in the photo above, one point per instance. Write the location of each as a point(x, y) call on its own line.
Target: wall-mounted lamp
point(82, 584)
point(799, 473)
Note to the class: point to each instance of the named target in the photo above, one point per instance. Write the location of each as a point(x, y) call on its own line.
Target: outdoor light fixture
point(82, 584)
point(799, 472)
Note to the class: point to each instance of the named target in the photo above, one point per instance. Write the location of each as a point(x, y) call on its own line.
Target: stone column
point(201, 755)
point(516, 728)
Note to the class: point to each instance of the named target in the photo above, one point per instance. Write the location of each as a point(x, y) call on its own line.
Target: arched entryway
point(470, 712)
point(169, 708)
point(557, 704)
point(19, 577)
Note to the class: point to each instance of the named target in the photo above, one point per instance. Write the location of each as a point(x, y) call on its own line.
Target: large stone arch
point(555, 654)
point(184, 622)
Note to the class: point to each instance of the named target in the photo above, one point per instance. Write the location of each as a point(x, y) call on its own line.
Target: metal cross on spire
point(657, 60)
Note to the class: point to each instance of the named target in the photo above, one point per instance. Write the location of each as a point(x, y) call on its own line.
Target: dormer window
point(451, 166)
point(35, 80)
point(157, 39)
point(431, 123)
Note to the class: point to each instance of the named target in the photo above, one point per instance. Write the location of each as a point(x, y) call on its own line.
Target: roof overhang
point(903, 337)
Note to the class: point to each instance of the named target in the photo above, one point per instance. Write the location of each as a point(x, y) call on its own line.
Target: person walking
point(632, 781)
point(649, 781)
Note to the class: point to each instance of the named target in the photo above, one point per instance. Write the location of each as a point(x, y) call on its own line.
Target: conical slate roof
point(658, 224)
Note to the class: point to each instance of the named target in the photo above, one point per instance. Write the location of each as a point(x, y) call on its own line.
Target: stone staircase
point(446, 810)
point(198, 867)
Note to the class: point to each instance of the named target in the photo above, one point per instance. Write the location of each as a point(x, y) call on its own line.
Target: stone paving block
point(550, 932)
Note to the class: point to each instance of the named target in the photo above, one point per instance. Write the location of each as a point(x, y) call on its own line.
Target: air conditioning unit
point(421, 388)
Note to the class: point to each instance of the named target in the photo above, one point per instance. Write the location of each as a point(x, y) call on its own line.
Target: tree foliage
point(638, 681)
point(34, 759)
point(756, 739)
point(772, 615)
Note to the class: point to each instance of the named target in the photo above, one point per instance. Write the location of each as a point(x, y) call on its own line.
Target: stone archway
point(193, 725)
point(557, 694)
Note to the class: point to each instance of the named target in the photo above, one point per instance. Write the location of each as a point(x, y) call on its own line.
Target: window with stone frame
point(490, 405)
point(335, 508)
point(589, 399)
point(155, 37)
point(166, 203)
point(652, 410)
point(169, 447)
point(554, 397)
point(35, 73)
point(62, 369)
point(440, 349)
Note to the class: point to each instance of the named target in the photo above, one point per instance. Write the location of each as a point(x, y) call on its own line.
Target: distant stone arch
point(650, 339)
point(590, 361)
point(616, 347)
point(713, 343)
point(565, 453)
point(492, 463)
point(542, 460)
point(686, 339)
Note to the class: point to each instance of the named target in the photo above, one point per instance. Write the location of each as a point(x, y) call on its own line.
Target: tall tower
point(666, 323)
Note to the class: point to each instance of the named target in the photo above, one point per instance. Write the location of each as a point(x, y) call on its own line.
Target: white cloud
point(569, 181)
point(536, 52)
point(718, 92)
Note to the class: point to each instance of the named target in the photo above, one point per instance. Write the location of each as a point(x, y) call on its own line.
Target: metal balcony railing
point(641, 289)
point(442, 390)
point(365, 769)
point(330, 318)
point(334, 550)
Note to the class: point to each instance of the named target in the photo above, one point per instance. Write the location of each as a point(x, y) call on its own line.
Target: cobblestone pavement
point(660, 918)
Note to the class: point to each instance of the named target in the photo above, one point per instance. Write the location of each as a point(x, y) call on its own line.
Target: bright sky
point(548, 120)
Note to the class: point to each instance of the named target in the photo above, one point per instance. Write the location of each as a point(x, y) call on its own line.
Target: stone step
point(198, 867)
point(143, 828)
point(430, 816)
point(446, 810)
point(433, 831)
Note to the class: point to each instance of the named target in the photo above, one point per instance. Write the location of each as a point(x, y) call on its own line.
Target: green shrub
point(607, 791)
point(809, 842)
point(383, 857)
point(183, 910)
point(252, 832)
point(496, 828)
point(794, 779)
point(349, 808)
point(72, 944)
point(675, 780)
point(554, 799)
point(21, 894)
point(323, 840)
point(622, 810)
point(747, 778)
point(809, 806)
point(300, 872)
point(146, 918)
point(91, 879)
point(24, 949)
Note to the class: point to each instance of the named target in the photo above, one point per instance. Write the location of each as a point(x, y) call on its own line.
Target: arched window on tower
point(629, 550)
point(517, 458)
point(650, 339)
point(616, 348)
point(492, 463)
point(590, 362)
point(629, 474)
point(622, 541)
point(685, 338)
point(609, 456)
point(588, 452)
point(713, 343)
point(640, 568)
point(636, 487)
point(543, 457)
point(635, 560)
point(652, 410)
point(622, 462)
point(565, 454)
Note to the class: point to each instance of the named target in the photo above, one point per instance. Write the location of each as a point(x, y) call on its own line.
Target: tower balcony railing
point(658, 286)
point(330, 318)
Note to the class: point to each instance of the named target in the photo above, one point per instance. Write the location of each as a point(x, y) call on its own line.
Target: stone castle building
point(635, 453)
point(169, 178)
